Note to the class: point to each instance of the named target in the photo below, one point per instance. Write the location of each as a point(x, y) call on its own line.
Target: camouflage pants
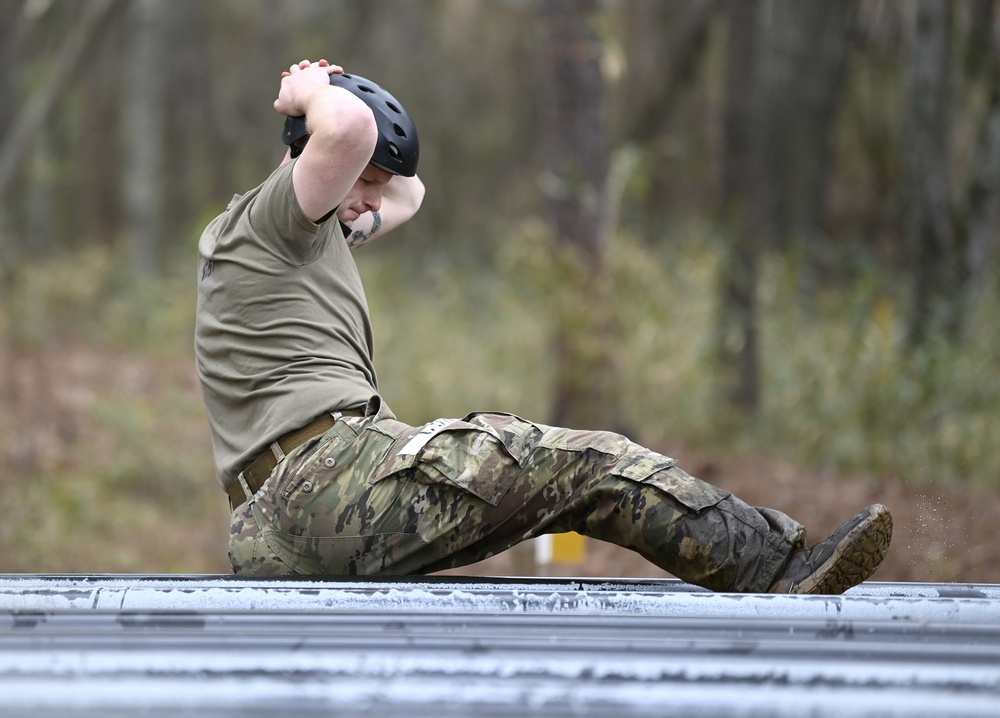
point(376, 496)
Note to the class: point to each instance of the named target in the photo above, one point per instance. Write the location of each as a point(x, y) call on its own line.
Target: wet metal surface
point(445, 646)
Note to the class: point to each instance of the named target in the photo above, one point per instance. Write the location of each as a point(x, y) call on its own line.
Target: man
point(322, 477)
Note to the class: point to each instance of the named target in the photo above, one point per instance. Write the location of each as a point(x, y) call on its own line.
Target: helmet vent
point(397, 149)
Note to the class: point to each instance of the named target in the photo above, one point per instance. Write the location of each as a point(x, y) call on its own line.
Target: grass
point(105, 444)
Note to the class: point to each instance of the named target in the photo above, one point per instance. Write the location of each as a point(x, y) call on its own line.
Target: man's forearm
point(401, 199)
point(404, 195)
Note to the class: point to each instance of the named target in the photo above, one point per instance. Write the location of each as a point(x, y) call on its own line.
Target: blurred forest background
point(757, 235)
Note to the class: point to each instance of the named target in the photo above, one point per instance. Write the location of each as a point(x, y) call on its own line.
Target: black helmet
point(397, 149)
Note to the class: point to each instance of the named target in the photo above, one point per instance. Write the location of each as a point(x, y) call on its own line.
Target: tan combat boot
point(849, 556)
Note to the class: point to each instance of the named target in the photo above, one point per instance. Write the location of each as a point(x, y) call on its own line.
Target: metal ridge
point(870, 601)
point(86, 646)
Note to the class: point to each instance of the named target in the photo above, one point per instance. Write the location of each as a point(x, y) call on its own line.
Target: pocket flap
point(468, 456)
point(662, 472)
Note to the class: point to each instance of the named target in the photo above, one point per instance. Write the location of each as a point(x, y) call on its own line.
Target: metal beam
point(445, 646)
point(879, 601)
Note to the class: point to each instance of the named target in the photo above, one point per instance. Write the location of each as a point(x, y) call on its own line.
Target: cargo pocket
point(630, 461)
point(649, 467)
point(318, 461)
point(454, 452)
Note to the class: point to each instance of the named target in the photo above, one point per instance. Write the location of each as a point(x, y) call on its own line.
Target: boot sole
point(855, 558)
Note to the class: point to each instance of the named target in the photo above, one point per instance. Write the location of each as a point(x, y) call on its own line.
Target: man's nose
point(373, 201)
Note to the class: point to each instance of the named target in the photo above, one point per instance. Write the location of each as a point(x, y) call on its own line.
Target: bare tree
point(144, 131)
point(576, 157)
point(806, 62)
point(33, 112)
point(928, 206)
point(663, 46)
point(785, 67)
point(655, 91)
point(745, 206)
point(982, 204)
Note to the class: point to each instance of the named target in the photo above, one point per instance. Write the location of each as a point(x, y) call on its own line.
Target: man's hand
point(298, 84)
point(342, 135)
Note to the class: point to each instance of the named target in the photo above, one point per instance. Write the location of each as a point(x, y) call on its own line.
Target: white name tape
point(426, 434)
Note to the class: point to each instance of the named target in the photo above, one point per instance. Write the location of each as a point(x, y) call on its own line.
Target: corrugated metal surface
point(98, 646)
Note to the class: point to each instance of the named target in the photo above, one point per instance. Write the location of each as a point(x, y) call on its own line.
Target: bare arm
point(342, 136)
point(401, 198)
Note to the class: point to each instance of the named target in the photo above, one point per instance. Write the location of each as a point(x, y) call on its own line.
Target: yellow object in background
point(568, 548)
point(559, 548)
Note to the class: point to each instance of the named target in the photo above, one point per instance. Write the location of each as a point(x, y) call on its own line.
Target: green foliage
point(49, 299)
point(92, 296)
point(453, 339)
point(102, 431)
point(842, 391)
point(128, 485)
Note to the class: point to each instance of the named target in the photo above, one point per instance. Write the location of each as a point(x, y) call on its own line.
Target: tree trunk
point(664, 43)
point(144, 126)
point(745, 206)
point(930, 239)
point(982, 211)
point(98, 145)
point(33, 113)
point(576, 158)
point(807, 60)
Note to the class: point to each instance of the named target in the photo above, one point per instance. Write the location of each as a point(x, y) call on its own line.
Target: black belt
point(260, 468)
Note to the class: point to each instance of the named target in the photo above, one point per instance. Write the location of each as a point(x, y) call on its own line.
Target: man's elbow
point(357, 128)
point(418, 193)
point(406, 194)
point(343, 122)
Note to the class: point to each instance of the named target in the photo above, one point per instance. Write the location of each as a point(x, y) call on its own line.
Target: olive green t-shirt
point(282, 331)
